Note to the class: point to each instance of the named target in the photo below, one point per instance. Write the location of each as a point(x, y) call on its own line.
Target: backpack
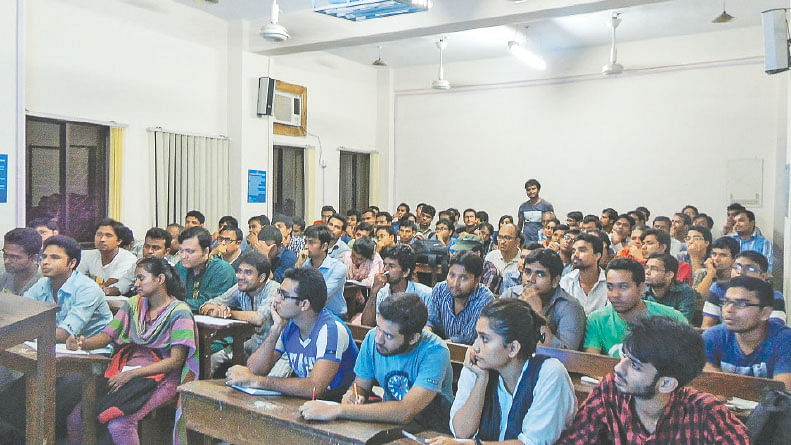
point(432, 252)
point(770, 421)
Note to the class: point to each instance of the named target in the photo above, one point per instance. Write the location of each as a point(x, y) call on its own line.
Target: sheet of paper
point(60, 348)
point(214, 321)
point(255, 391)
point(355, 282)
point(118, 298)
point(129, 368)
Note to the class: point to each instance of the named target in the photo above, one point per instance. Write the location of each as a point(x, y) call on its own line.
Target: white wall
point(8, 108)
point(658, 138)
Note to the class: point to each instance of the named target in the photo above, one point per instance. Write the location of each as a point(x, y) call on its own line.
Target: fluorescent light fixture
point(528, 57)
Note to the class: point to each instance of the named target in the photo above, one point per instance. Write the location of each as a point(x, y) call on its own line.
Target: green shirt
point(218, 277)
point(679, 296)
point(606, 329)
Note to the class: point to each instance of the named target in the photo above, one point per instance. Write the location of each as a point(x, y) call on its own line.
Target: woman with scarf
point(154, 335)
point(506, 394)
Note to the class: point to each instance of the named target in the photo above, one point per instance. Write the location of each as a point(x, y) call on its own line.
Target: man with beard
point(412, 365)
point(749, 238)
point(625, 286)
point(748, 342)
point(587, 282)
point(662, 286)
point(621, 229)
point(337, 226)
point(565, 317)
point(607, 219)
point(645, 401)
point(20, 257)
point(406, 232)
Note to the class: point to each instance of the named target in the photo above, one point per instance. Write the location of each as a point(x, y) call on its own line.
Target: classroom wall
point(659, 136)
point(8, 107)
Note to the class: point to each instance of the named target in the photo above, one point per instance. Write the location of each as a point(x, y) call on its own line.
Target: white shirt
point(553, 408)
point(496, 258)
point(122, 268)
point(597, 298)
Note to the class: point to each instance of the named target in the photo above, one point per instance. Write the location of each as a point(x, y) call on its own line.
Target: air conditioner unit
point(286, 108)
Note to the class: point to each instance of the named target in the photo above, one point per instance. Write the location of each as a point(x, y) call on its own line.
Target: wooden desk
point(211, 408)
point(22, 319)
point(208, 333)
point(91, 366)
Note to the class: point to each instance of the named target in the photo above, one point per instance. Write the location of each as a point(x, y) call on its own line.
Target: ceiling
point(479, 29)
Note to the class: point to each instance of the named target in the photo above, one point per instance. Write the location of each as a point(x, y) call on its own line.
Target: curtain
point(190, 173)
point(116, 164)
point(373, 181)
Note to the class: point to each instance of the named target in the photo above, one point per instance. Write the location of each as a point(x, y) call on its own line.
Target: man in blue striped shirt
point(456, 303)
point(749, 239)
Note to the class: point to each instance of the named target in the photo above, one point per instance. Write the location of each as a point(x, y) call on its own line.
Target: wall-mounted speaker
point(776, 54)
point(266, 95)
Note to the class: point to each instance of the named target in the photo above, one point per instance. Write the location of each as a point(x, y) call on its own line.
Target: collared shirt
point(338, 250)
point(286, 260)
point(297, 244)
point(491, 278)
point(122, 268)
point(83, 309)
point(260, 302)
point(564, 315)
point(606, 329)
point(7, 282)
point(510, 279)
point(334, 273)
point(759, 244)
point(423, 291)
point(217, 278)
point(597, 298)
point(679, 296)
point(496, 257)
point(690, 417)
point(442, 318)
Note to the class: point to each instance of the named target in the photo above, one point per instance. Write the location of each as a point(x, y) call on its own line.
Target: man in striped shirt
point(749, 238)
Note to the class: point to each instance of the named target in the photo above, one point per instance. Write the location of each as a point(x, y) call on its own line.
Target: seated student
point(663, 288)
point(362, 265)
point(353, 217)
point(284, 224)
point(203, 278)
point(45, 227)
point(621, 230)
point(574, 220)
point(337, 225)
point(398, 262)
point(587, 282)
point(364, 229)
point(270, 243)
point(21, 248)
point(505, 393)
point(658, 241)
point(607, 253)
point(457, 302)
point(297, 243)
point(157, 243)
point(697, 249)
point(194, 218)
point(506, 257)
point(749, 237)
point(748, 342)
point(564, 316)
point(514, 277)
point(446, 233)
point(384, 219)
point(173, 252)
point(635, 247)
point(746, 264)
point(385, 236)
point(645, 401)
point(717, 267)
point(109, 265)
point(485, 231)
point(424, 218)
point(254, 225)
point(319, 346)
point(229, 245)
point(490, 276)
point(317, 241)
point(607, 326)
point(505, 219)
point(155, 332)
point(411, 365)
point(406, 232)
point(250, 300)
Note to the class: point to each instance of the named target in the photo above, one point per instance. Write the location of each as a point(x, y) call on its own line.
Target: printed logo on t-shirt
point(301, 364)
point(397, 384)
point(755, 370)
point(532, 215)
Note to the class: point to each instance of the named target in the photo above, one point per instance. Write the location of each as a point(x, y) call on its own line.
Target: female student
point(362, 265)
point(155, 351)
point(505, 393)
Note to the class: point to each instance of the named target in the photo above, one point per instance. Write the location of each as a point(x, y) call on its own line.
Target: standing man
point(337, 225)
point(21, 248)
point(531, 210)
point(749, 239)
point(109, 265)
point(317, 242)
point(587, 281)
point(506, 258)
point(203, 278)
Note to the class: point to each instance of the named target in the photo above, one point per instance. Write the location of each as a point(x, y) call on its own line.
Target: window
point(354, 180)
point(67, 174)
point(288, 179)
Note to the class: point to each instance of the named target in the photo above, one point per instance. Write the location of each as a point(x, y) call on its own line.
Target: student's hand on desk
point(318, 410)
point(119, 380)
point(239, 375)
point(219, 311)
point(350, 399)
point(449, 441)
point(74, 343)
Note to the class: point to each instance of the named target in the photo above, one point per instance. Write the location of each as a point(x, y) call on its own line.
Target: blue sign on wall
point(256, 186)
point(3, 178)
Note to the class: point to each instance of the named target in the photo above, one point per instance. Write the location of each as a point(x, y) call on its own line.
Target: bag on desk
point(770, 421)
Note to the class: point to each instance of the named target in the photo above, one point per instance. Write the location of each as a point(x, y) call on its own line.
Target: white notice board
point(745, 181)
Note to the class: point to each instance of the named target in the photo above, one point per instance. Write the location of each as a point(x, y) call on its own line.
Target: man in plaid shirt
point(644, 400)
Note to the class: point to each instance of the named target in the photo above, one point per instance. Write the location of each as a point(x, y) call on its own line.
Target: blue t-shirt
point(287, 259)
point(771, 358)
point(426, 365)
point(330, 339)
point(531, 215)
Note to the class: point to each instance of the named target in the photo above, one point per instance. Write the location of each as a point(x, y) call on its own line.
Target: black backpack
point(770, 421)
point(432, 252)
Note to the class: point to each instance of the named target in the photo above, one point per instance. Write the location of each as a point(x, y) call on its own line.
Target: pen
point(314, 393)
point(356, 394)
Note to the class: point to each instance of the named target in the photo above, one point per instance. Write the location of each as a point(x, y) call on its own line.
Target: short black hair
point(482, 216)
point(117, 226)
point(365, 227)
point(310, 286)
point(258, 261)
point(675, 349)
point(756, 257)
point(628, 218)
point(469, 209)
point(630, 265)
point(340, 218)
point(299, 221)
point(28, 239)
point(68, 244)
point(644, 211)
point(592, 219)
point(661, 236)
point(735, 206)
point(690, 206)
point(470, 261)
point(365, 247)
point(203, 235)
point(705, 233)
point(262, 220)
point(605, 239)
point(270, 233)
point(353, 212)
point(429, 210)
point(763, 290)
point(611, 213)
point(389, 229)
point(593, 240)
point(576, 215)
point(407, 224)
point(534, 246)
point(514, 319)
point(750, 215)
point(487, 226)
point(406, 310)
point(547, 258)
point(403, 204)
point(403, 254)
point(663, 219)
point(503, 218)
point(327, 208)
point(228, 219)
point(236, 230)
point(320, 232)
point(684, 217)
point(447, 223)
point(727, 243)
point(281, 218)
point(669, 262)
point(157, 233)
point(43, 222)
point(198, 215)
point(534, 182)
point(388, 217)
point(709, 220)
point(369, 210)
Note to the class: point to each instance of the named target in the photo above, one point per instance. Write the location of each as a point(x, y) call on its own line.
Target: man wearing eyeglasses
point(749, 342)
point(319, 346)
point(228, 245)
point(746, 264)
point(506, 257)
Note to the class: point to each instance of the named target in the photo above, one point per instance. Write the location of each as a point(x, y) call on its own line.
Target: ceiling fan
point(441, 83)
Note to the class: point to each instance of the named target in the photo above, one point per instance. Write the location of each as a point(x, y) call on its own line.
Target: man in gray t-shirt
point(531, 210)
point(21, 247)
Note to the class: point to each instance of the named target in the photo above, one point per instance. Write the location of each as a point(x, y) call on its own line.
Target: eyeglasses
point(745, 267)
point(740, 304)
point(283, 296)
point(506, 237)
point(223, 239)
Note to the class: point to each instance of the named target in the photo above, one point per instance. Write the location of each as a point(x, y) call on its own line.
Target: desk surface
point(21, 319)
point(211, 408)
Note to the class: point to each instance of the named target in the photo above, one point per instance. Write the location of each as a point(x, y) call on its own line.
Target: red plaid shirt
point(691, 417)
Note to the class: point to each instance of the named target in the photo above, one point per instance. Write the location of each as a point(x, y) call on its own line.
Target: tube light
point(528, 57)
